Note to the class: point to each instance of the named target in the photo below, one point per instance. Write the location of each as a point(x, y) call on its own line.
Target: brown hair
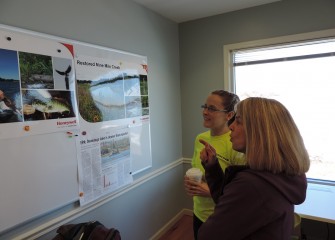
point(273, 140)
point(229, 100)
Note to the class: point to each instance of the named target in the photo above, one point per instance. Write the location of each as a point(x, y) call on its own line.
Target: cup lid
point(194, 171)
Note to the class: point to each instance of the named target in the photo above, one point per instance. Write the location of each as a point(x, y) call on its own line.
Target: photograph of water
point(10, 96)
point(112, 99)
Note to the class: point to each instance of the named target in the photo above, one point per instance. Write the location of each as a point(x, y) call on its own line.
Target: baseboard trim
point(170, 223)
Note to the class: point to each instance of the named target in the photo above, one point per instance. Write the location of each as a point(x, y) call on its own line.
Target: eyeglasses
point(211, 108)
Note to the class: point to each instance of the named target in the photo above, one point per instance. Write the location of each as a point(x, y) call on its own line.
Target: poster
point(104, 162)
point(113, 105)
point(95, 95)
point(111, 91)
point(37, 86)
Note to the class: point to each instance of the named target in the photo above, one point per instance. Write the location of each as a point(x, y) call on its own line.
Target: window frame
point(229, 81)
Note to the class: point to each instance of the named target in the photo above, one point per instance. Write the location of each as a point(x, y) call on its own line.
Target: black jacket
point(252, 204)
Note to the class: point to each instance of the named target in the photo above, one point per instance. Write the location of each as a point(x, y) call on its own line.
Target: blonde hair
point(273, 140)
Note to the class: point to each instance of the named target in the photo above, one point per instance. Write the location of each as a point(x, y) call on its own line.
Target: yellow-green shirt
point(204, 206)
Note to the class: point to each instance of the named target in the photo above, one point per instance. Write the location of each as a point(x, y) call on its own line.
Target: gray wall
point(124, 25)
point(201, 47)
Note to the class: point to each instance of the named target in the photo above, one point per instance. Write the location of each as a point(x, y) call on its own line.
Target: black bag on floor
point(86, 231)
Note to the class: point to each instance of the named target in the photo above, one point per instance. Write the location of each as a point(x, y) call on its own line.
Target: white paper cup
point(194, 174)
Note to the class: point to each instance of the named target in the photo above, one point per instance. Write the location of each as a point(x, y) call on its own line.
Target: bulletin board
point(53, 91)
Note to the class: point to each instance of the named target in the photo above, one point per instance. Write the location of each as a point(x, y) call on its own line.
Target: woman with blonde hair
point(257, 201)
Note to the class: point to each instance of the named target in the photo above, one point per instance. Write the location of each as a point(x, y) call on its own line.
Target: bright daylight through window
point(302, 77)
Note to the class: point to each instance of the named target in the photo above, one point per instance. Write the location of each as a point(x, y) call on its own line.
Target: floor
point(182, 230)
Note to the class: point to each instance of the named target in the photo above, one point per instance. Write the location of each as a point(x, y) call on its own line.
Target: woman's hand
point(207, 154)
point(195, 188)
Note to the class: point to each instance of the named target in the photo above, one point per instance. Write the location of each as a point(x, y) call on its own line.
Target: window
point(301, 75)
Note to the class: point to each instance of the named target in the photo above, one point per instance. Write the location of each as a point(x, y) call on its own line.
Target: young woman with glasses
point(218, 110)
